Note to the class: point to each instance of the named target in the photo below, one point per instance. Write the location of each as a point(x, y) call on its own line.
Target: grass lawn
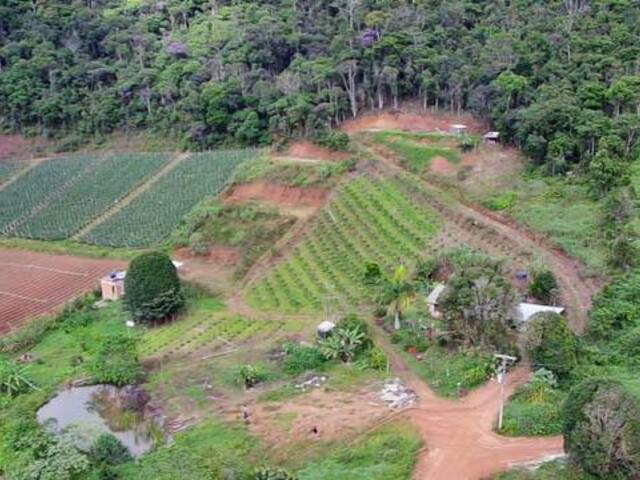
point(556, 470)
point(417, 150)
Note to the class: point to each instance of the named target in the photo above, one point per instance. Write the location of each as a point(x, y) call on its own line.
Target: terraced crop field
point(156, 212)
point(370, 220)
point(203, 332)
point(99, 188)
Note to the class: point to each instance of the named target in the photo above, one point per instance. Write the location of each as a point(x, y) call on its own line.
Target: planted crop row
point(202, 332)
point(153, 215)
point(370, 220)
point(39, 186)
point(8, 168)
point(96, 191)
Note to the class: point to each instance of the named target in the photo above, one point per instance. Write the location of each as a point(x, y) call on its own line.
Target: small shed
point(112, 285)
point(432, 299)
point(491, 138)
point(526, 311)
point(325, 328)
point(458, 129)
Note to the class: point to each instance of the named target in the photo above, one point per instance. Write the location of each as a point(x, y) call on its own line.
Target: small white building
point(491, 138)
point(432, 299)
point(458, 129)
point(526, 311)
point(112, 285)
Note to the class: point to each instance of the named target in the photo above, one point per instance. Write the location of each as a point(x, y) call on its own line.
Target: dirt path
point(576, 290)
point(131, 196)
point(458, 434)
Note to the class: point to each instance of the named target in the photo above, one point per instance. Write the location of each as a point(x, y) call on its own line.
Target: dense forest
point(560, 78)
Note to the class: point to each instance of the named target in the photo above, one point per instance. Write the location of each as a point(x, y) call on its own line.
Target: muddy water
point(97, 408)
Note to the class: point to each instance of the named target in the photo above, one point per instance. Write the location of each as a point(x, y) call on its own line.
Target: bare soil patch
point(278, 194)
point(442, 166)
point(219, 254)
point(33, 284)
point(412, 122)
point(19, 147)
point(307, 149)
point(336, 415)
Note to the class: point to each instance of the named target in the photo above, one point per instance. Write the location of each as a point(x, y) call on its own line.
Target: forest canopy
point(558, 78)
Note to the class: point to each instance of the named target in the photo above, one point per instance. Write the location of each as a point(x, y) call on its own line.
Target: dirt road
point(458, 434)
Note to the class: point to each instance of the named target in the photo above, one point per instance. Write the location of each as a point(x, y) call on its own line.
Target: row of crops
point(155, 213)
point(8, 168)
point(38, 186)
point(59, 197)
point(99, 188)
point(204, 332)
point(371, 220)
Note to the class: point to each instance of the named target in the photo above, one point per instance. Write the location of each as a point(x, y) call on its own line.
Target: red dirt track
point(33, 284)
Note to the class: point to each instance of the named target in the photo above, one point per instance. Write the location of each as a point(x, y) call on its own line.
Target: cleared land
point(34, 284)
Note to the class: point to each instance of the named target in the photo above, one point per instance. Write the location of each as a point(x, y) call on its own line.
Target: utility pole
point(501, 374)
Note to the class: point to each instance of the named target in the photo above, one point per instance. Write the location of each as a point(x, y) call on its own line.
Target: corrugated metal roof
point(528, 310)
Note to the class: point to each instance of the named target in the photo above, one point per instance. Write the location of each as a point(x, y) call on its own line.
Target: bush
point(299, 358)
point(271, 473)
point(108, 450)
point(116, 361)
point(550, 343)
point(601, 429)
point(13, 379)
point(332, 139)
point(377, 359)
point(345, 342)
point(152, 288)
point(250, 375)
point(544, 286)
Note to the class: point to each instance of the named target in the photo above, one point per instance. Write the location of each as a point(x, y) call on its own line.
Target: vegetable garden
point(203, 331)
point(370, 220)
point(153, 215)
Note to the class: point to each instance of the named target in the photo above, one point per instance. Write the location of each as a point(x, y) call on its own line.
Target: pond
point(96, 409)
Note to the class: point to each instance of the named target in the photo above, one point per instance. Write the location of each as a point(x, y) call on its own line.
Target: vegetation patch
point(417, 155)
point(250, 229)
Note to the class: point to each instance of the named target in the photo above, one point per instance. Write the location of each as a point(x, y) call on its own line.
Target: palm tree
point(398, 292)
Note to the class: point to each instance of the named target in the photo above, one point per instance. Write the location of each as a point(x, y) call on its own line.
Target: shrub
point(550, 343)
point(13, 379)
point(271, 473)
point(152, 288)
point(344, 343)
point(377, 359)
point(116, 361)
point(601, 428)
point(250, 375)
point(108, 450)
point(544, 286)
point(333, 140)
point(300, 358)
